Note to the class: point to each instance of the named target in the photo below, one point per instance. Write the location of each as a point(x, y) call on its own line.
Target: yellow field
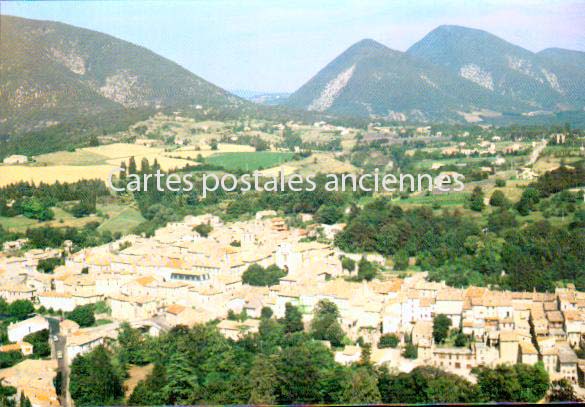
point(86, 163)
point(50, 174)
point(79, 157)
point(122, 150)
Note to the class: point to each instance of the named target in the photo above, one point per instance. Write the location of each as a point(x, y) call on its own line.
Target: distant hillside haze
point(451, 71)
point(52, 72)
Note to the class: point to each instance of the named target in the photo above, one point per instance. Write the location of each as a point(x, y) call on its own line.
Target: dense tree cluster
point(459, 250)
point(200, 366)
point(257, 275)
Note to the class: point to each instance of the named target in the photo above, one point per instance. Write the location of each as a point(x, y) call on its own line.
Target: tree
point(93, 379)
point(410, 351)
point(348, 264)
point(203, 229)
point(498, 199)
point(388, 341)
point(9, 359)
point(441, 325)
point(182, 384)
point(256, 275)
point(325, 325)
point(562, 390)
point(24, 401)
point(49, 265)
point(20, 309)
point(363, 388)
point(476, 200)
point(83, 315)
point(131, 346)
point(293, 319)
point(150, 391)
point(40, 342)
point(401, 260)
point(266, 313)
point(510, 383)
point(530, 197)
point(366, 270)
point(500, 220)
point(329, 214)
point(298, 376)
point(94, 141)
point(263, 381)
point(460, 340)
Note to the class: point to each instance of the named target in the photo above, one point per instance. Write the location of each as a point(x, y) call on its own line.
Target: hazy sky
point(279, 45)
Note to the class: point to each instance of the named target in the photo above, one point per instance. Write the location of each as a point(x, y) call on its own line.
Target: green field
point(249, 161)
point(447, 199)
point(62, 219)
point(17, 223)
point(122, 218)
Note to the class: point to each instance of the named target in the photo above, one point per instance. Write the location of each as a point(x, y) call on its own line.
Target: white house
point(18, 330)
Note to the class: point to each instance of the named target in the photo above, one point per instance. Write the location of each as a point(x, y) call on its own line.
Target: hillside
point(53, 73)
point(372, 79)
point(550, 80)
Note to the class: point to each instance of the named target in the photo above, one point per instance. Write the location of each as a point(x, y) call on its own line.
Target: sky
point(276, 46)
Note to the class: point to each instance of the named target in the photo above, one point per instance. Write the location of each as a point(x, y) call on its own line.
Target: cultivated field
point(249, 161)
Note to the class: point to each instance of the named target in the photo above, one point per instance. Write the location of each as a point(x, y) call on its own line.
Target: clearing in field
point(249, 161)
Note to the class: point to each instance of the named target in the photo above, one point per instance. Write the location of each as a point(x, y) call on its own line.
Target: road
point(59, 348)
point(536, 152)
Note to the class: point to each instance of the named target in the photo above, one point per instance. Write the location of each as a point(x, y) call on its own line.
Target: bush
point(388, 341)
point(258, 276)
point(410, 351)
point(83, 315)
point(40, 342)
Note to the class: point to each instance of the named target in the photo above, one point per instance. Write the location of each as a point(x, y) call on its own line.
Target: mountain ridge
point(54, 72)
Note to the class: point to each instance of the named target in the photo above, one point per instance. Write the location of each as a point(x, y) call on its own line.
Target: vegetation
point(199, 366)
point(94, 379)
point(40, 342)
point(456, 248)
point(388, 341)
point(84, 315)
point(441, 325)
point(257, 275)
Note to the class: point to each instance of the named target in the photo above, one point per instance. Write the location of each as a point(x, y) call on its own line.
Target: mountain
point(263, 98)
point(550, 80)
point(53, 73)
point(370, 79)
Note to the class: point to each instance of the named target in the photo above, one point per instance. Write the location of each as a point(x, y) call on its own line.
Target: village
point(182, 277)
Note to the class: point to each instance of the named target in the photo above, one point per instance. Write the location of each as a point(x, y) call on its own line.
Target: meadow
point(249, 161)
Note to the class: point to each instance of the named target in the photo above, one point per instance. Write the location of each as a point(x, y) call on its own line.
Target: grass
point(17, 223)
point(249, 161)
point(446, 199)
point(122, 218)
point(62, 219)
